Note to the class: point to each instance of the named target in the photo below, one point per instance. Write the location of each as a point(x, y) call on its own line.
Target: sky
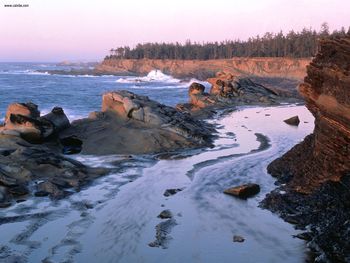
point(85, 30)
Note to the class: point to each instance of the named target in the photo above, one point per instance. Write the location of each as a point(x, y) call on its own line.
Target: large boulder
point(58, 119)
point(25, 109)
point(131, 123)
point(23, 119)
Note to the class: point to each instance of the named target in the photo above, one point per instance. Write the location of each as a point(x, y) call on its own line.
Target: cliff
point(316, 171)
point(326, 90)
point(202, 69)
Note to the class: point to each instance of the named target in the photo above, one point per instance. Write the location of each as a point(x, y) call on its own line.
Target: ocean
point(79, 95)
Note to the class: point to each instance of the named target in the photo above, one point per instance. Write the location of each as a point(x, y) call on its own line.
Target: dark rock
point(71, 145)
point(165, 214)
point(243, 191)
point(162, 234)
point(3, 194)
point(19, 190)
point(238, 239)
point(58, 119)
point(5, 204)
point(293, 121)
point(170, 192)
point(304, 236)
point(41, 193)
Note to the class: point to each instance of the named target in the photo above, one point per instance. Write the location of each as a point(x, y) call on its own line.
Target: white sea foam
point(24, 72)
point(153, 76)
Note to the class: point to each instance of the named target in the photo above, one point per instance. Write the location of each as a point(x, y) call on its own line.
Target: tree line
point(293, 44)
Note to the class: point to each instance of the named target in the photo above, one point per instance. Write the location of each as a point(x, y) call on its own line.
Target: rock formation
point(31, 145)
point(229, 91)
point(30, 159)
point(316, 171)
point(23, 119)
point(129, 123)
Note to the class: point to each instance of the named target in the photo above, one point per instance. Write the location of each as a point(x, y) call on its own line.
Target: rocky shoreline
point(314, 175)
point(32, 145)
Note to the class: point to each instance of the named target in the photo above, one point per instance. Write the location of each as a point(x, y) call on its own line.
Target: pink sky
point(56, 30)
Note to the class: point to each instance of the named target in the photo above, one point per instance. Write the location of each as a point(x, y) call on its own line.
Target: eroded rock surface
point(27, 168)
point(316, 171)
point(129, 123)
point(228, 90)
point(24, 120)
point(291, 68)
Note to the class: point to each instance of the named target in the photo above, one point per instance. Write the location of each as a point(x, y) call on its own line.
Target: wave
point(23, 72)
point(153, 76)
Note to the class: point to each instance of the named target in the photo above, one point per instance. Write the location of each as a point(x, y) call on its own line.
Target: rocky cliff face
point(324, 155)
point(316, 171)
point(202, 69)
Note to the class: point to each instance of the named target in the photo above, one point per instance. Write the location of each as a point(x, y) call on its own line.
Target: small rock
point(293, 121)
point(165, 214)
point(169, 192)
point(243, 191)
point(304, 236)
point(238, 239)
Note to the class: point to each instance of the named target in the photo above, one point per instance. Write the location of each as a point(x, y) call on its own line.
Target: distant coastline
point(291, 68)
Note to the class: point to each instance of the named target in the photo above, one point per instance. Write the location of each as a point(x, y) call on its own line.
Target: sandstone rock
point(291, 68)
point(325, 154)
point(25, 109)
point(293, 121)
point(23, 119)
point(229, 91)
point(196, 88)
point(316, 171)
point(243, 191)
point(133, 124)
